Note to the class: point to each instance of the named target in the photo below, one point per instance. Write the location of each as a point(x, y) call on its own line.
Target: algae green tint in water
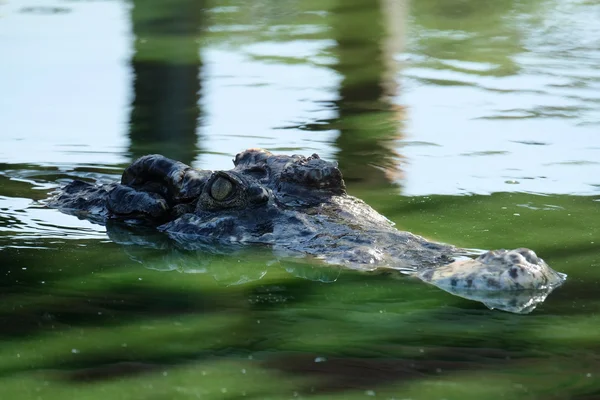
point(469, 122)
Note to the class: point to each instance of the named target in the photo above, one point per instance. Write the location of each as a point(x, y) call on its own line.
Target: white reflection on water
point(248, 103)
point(66, 85)
point(539, 126)
point(23, 220)
point(67, 90)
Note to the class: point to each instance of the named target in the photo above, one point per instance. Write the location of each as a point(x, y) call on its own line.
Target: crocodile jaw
point(510, 280)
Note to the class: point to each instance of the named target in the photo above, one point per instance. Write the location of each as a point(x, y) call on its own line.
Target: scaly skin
point(298, 205)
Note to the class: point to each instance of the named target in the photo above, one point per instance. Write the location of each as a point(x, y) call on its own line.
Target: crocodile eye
point(221, 189)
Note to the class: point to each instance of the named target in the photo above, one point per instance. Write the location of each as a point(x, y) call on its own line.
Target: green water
point(469, 122)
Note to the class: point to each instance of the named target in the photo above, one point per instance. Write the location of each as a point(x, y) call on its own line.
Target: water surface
point(473, 123)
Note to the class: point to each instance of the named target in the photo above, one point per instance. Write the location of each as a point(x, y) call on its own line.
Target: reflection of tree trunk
point(165, 110)
point(369, 34)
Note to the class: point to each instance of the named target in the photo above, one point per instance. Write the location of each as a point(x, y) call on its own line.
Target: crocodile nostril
point(529, 255)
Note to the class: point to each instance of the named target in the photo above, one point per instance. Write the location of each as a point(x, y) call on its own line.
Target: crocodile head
point(240, 204)
point(299, 206)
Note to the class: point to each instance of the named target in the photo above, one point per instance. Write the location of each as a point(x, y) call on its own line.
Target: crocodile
point(299, 206)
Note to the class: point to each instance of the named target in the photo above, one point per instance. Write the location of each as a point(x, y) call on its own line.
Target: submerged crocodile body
point(297, 205)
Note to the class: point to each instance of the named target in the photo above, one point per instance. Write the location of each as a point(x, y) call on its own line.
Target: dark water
point(469, 122)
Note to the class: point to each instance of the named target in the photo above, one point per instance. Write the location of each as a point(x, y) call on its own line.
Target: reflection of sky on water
point(474, 155)
point(67, 84)
point(248, 103)
point(30, 224)
point(539, 128)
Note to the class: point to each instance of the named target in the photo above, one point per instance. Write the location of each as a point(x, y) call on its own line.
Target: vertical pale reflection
point(394, 13)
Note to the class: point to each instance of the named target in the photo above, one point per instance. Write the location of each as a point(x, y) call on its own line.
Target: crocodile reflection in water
point(299, 205)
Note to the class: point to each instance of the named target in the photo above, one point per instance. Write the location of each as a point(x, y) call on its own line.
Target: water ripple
point(529, 77)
